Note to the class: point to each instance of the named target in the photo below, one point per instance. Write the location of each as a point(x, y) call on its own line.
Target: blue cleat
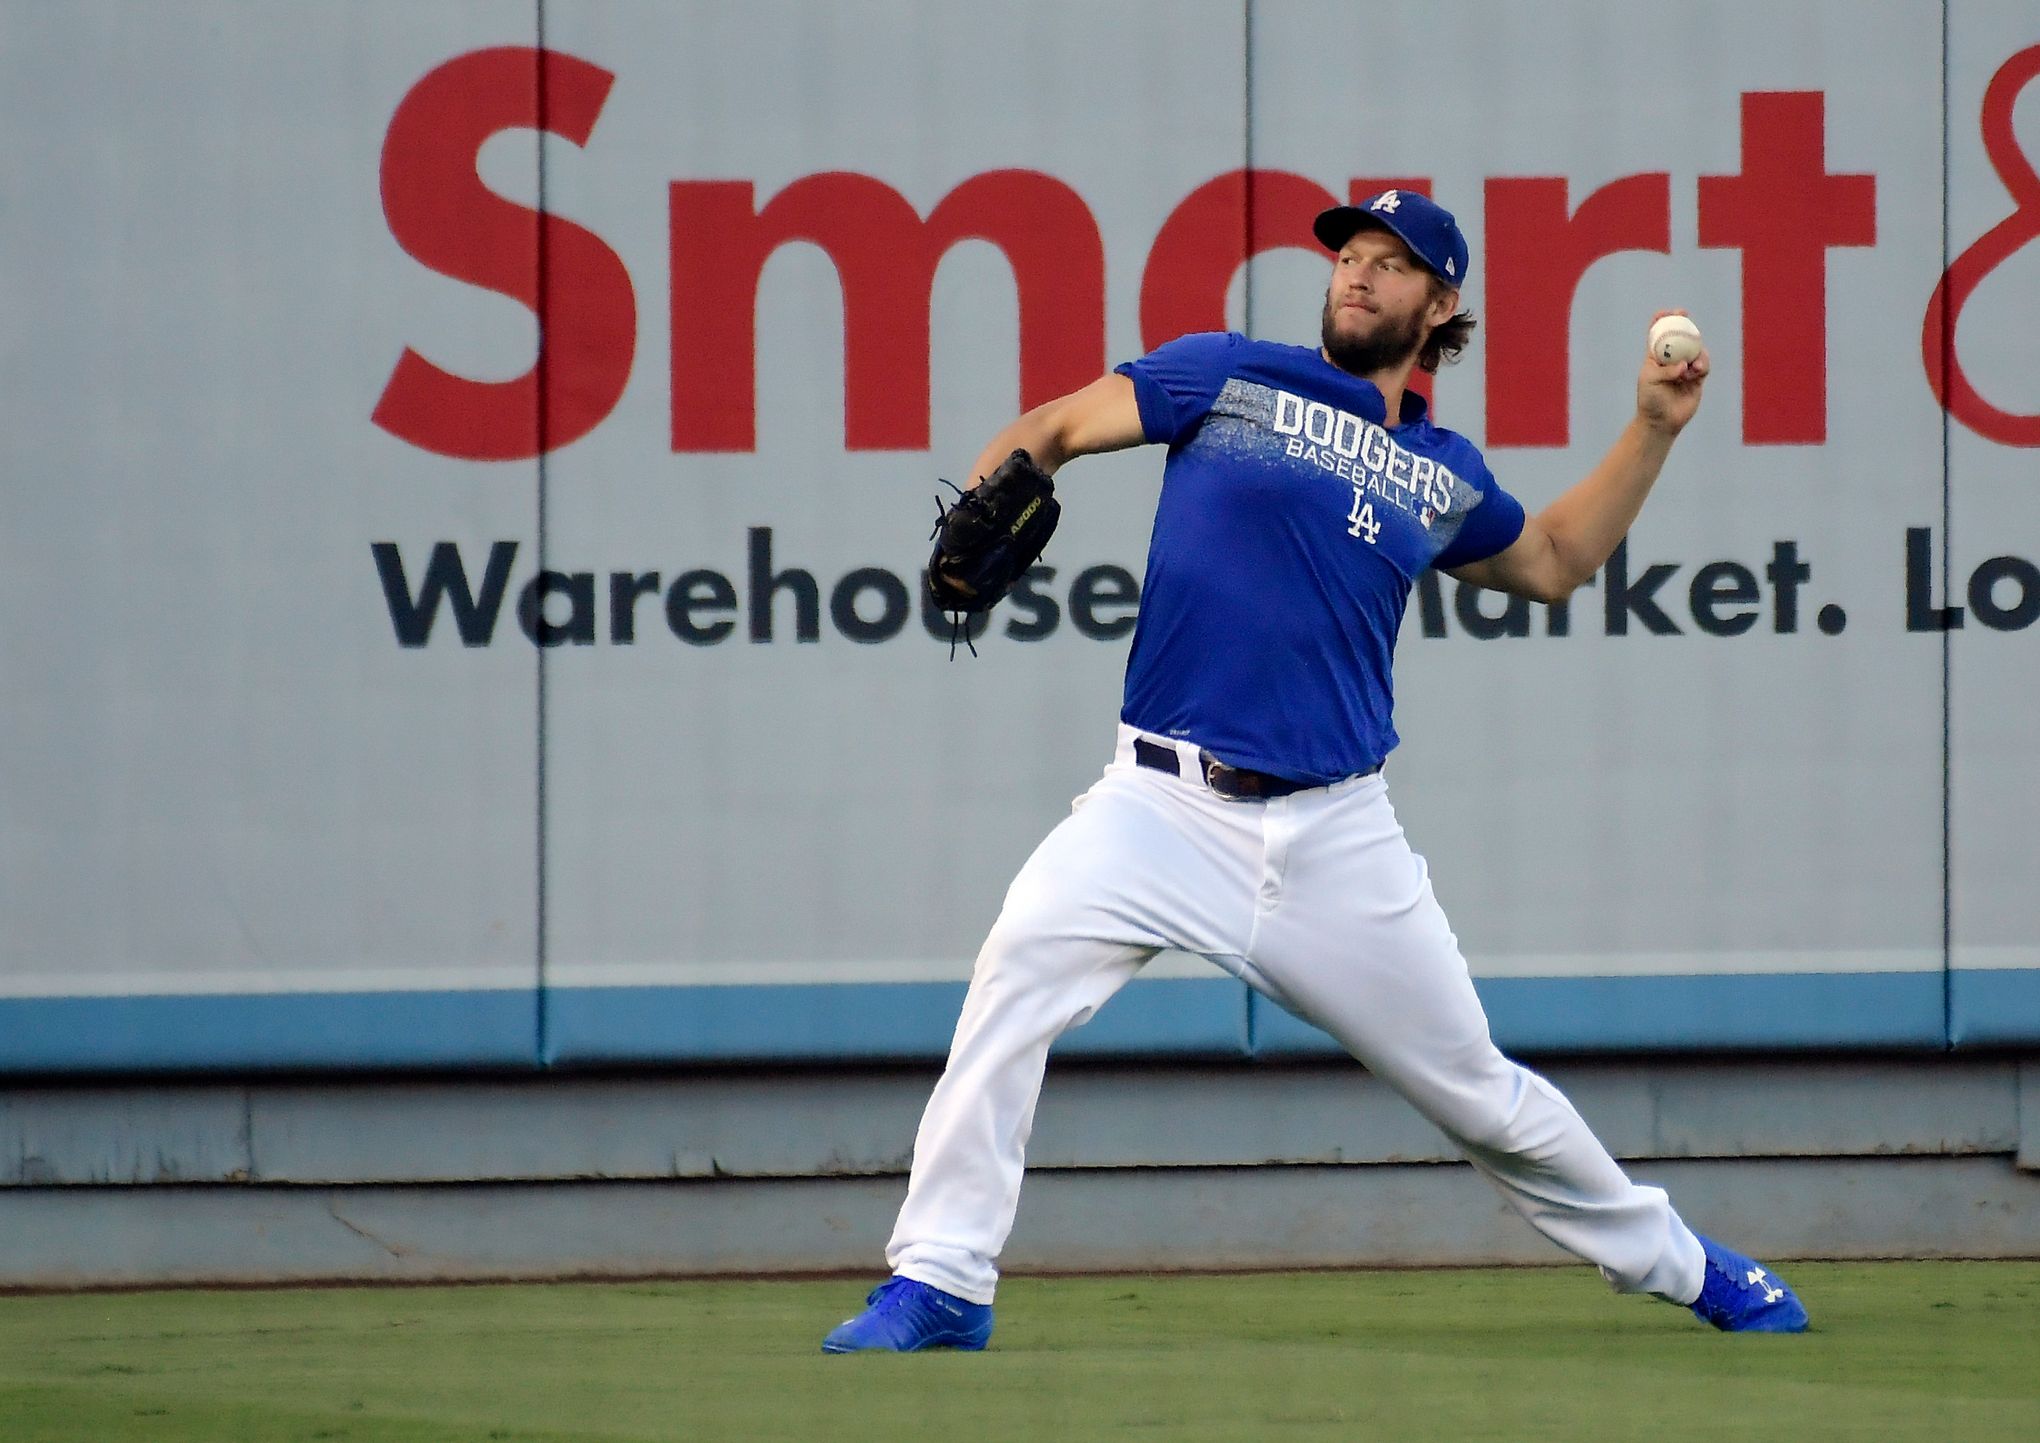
point(904, 1316)
point(1738, 1295)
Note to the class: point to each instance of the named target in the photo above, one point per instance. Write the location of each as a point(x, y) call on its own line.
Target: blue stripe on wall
point(1172, 1017)
point(1775, 1011)
point(866, 1021)
point(270, 1032)
point(1989, 1009)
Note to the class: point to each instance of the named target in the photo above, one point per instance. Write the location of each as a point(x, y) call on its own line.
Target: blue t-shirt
point(1291, 527)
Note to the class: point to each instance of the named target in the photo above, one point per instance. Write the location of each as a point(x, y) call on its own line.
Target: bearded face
point(1363, 343)
point(1380, 304)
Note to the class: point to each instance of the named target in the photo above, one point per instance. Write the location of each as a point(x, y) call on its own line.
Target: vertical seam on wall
point(1250, 1001)
point(251, 1166)
point(1247, 160)
point(1946, 341)
point(544, 383)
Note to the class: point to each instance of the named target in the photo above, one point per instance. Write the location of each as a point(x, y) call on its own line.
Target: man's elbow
point(1563, 581)
point(1561, 575)
point(1551, 591)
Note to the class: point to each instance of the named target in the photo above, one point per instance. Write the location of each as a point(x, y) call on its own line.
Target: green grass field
point(1942, 1351)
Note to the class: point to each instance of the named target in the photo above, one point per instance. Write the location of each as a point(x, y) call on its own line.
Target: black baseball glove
point(987, 540)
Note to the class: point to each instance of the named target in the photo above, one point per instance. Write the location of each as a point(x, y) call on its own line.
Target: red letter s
point(446, 219)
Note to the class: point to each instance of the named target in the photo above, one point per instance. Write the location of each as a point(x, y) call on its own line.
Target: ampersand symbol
point(1960, 280)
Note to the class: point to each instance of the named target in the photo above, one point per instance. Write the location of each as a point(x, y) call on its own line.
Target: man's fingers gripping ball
point(995, 531)
point(1674, 340)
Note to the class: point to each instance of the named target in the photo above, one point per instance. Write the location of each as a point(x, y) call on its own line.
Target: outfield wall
point(383, 689)
point(1131, 1166)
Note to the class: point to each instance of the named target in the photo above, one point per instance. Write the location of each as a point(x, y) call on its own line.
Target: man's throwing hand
point(1667, 396)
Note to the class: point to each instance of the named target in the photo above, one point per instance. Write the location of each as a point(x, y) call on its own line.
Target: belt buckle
point(1215, 774)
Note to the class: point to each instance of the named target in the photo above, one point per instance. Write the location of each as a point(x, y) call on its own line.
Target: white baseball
point(1674, 340)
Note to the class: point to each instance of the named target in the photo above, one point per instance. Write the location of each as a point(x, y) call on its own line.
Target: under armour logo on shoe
point(1757, 1278)
point(1388, 200)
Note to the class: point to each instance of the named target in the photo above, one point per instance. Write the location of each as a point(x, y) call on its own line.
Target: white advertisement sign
point(466, 486)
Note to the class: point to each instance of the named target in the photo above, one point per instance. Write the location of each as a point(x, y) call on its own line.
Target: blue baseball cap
point(1425, 226)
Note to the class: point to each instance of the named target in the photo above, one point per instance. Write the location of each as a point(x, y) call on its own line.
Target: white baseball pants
point(1317, 902)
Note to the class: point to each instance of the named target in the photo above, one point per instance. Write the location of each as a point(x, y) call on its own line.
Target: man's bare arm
point(1103, 416)
point(1563, 545)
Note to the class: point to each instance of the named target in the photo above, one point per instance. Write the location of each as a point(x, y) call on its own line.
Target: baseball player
point(1244, 816)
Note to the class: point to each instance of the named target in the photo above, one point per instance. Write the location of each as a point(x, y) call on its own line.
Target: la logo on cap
point(1388, 200)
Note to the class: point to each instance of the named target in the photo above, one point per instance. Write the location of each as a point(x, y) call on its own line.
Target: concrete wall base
point(1132, 1168)
point(1134, 1219)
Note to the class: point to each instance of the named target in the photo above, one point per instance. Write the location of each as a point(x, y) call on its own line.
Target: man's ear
point(1444, 306)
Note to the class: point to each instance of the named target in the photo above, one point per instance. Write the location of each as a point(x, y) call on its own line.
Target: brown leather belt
point(1239, 784)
